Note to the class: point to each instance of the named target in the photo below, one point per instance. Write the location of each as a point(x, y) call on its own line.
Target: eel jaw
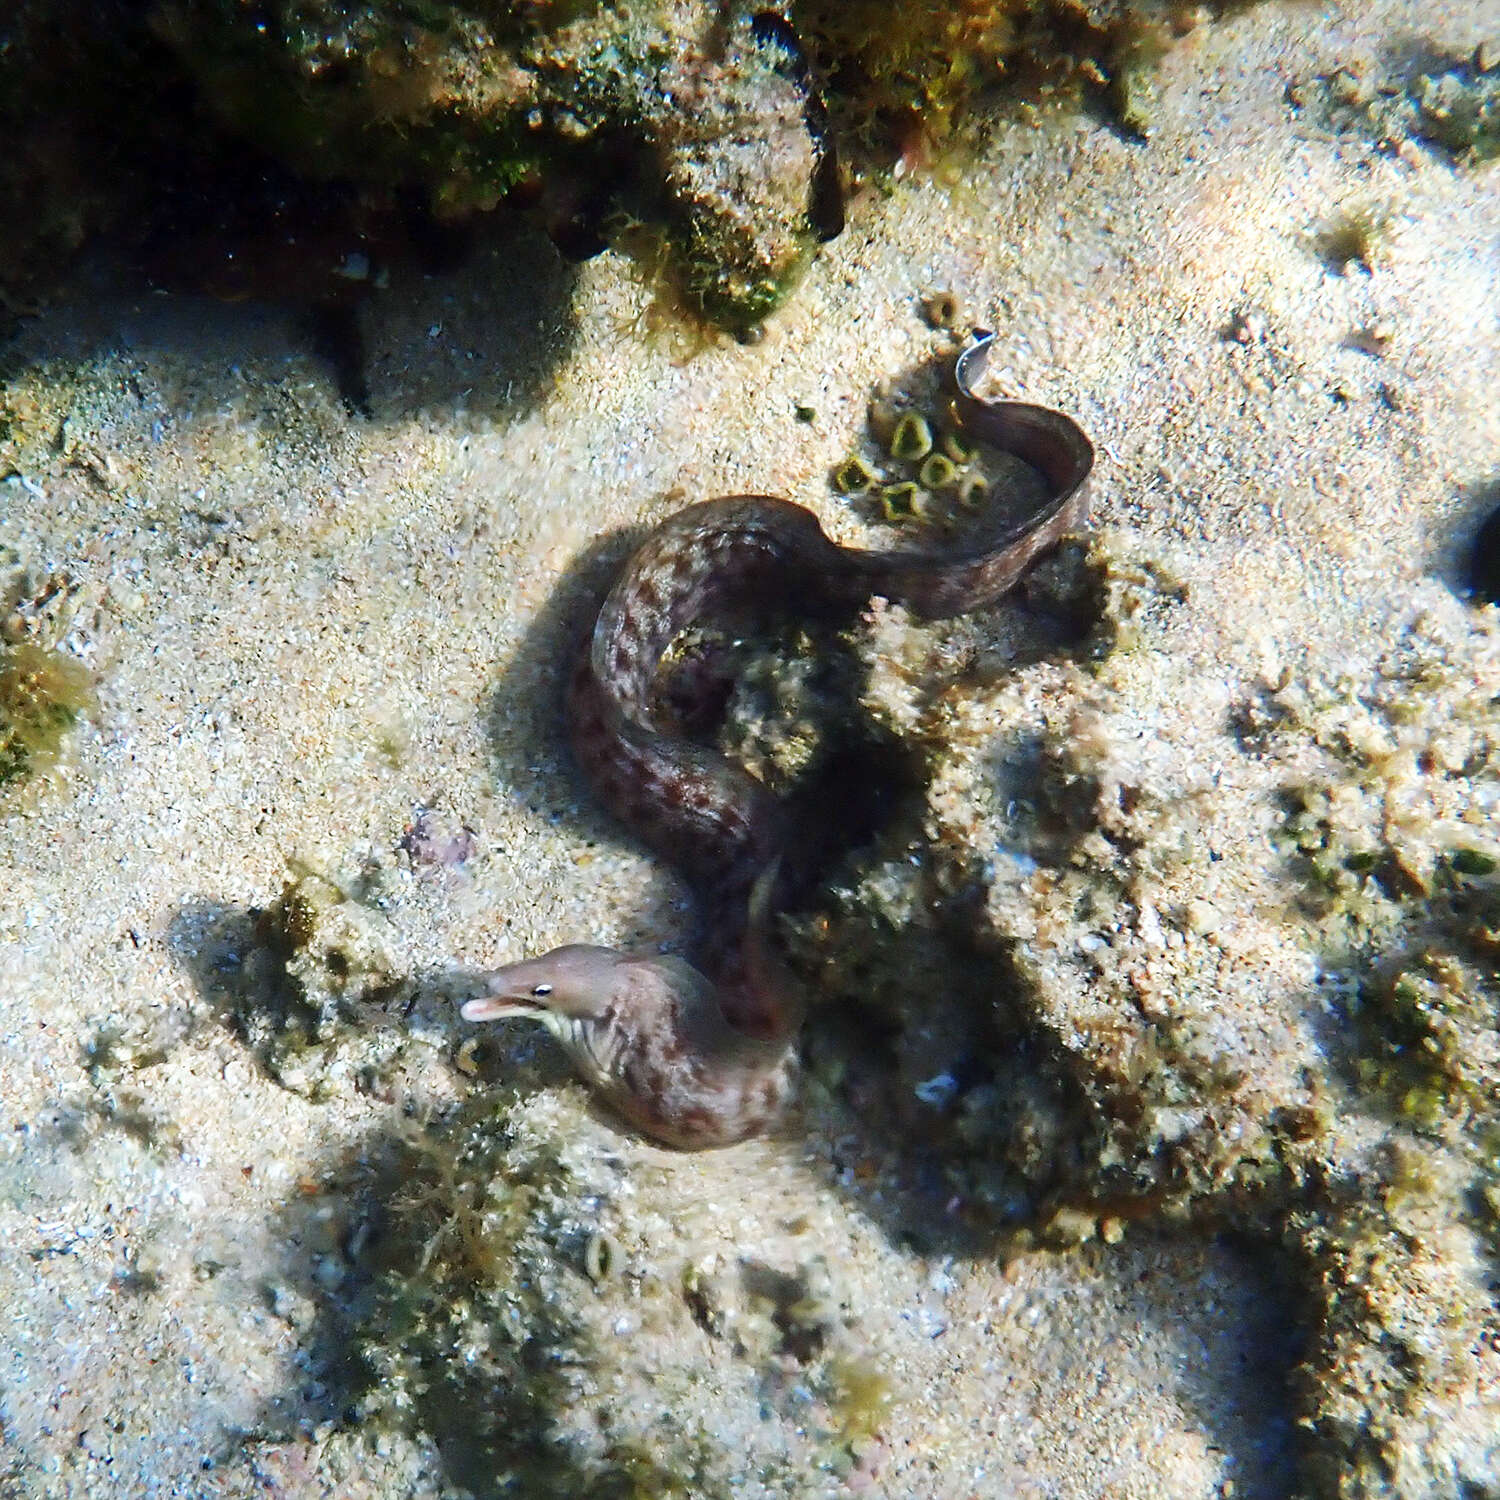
point(498, 1007)
point(589, 1051)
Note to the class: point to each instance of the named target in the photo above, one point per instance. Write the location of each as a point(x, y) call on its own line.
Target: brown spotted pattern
point(743, 554)
point(693, 1062)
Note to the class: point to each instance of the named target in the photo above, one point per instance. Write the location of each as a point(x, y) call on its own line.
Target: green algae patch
point(1428, 1040)
point(450, 1266)
point(43, 693)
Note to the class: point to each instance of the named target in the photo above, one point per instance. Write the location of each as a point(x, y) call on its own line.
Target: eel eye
point(541, 991)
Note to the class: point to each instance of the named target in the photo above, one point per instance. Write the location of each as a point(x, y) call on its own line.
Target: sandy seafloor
point(306, 625)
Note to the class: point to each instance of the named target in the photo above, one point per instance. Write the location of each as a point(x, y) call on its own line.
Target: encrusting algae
point(1113, 1050)
point(43, 692)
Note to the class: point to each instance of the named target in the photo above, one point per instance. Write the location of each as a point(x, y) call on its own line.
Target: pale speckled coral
point(1399, 1391)
point(1193, 1042)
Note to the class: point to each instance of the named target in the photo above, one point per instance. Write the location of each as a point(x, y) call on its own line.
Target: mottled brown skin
point(650, 1036)
point(688, 1060)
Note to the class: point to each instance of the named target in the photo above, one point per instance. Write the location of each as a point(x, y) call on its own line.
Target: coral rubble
point(1456, 109)
point(1318, 1069)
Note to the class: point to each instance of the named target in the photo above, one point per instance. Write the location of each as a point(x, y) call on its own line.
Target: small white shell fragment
point(1201, 917)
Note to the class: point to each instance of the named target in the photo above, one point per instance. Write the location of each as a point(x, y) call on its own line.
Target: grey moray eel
point(695, 1059)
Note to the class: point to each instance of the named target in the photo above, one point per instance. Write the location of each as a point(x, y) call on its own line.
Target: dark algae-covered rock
point(688, 116)
point(704, 138)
